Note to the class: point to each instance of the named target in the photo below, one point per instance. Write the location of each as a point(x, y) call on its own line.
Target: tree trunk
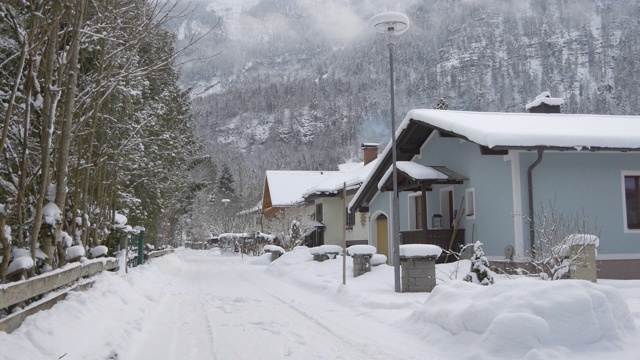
point(6, 248)
point(62, 166)
point(50, 103)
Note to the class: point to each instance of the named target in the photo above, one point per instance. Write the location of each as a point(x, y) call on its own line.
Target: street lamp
point(393, 24)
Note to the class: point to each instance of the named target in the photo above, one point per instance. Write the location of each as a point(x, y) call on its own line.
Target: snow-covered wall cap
point(325, 249)
point(544, 98)
point(420, 251)
point(582, 239)
point(370, 145)
point(361, 250)
point(274, 248)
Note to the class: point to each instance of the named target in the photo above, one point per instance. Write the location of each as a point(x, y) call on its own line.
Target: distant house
point(504, 165)
point(320, 192)
point(326, 198)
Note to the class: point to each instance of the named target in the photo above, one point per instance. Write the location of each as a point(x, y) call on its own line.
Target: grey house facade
point(499, 167)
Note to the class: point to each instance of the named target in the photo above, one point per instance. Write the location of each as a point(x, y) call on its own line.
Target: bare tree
point(561, 241)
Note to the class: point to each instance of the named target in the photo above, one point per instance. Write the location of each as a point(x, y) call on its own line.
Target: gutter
point(532, 229)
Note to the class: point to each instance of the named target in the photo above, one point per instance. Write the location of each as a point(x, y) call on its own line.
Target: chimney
point(544, 103)
point(370, 151)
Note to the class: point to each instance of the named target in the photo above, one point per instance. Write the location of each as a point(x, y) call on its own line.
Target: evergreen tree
point(441, 105)
point(226, 184)
point(479, 273)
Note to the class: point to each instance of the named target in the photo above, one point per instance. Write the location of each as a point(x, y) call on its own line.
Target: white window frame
point(623, 200)
point(470, 203)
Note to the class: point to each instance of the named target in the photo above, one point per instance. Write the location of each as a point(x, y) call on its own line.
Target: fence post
point(141, 247)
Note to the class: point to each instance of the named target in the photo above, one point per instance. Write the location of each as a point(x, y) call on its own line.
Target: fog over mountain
point(299, 84)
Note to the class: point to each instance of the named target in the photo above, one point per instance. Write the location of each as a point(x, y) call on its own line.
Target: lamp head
point(390, 23)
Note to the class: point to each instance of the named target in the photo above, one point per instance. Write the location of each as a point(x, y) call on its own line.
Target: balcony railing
point(440, 237)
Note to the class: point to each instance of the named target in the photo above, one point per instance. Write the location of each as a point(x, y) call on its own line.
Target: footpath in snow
point(197, 304)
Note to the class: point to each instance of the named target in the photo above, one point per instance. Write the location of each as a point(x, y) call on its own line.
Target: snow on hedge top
point(287, 187)
point(74, 252)
point(51, 214)
point(524, 129)
point(21, 263)
point(544, 98)
point(274, 248)
point(120, 220)
point(99, 250)
point(420, 250)
point(414, 170)
point(361, 250)
point(325, 249)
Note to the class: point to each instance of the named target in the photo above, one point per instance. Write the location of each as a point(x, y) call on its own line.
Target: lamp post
point(393, 24)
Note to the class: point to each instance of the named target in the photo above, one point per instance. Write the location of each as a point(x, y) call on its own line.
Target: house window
point(350, 218)
point(319, 212)
point(470, 203)
point(632, 201)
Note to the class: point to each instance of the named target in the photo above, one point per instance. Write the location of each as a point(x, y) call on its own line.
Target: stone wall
point(418, 274)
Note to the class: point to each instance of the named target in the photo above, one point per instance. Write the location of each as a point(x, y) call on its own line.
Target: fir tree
point(479, 273)
point(441, 105)
point(226, 184)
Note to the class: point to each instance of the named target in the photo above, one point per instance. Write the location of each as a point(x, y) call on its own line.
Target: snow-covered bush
point(479, 273)
point(561, 242)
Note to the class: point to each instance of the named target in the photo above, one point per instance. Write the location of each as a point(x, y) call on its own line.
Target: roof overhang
point(408, 181)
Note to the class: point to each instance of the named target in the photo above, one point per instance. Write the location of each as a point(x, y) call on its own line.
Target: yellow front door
point(382, 233)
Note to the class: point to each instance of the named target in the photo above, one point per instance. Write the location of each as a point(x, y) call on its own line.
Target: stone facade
point(418, 274)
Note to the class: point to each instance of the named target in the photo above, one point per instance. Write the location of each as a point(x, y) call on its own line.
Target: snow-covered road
point(216, 307)
point(196, 304)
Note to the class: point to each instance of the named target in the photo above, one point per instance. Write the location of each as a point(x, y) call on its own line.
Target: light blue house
point(496, 169)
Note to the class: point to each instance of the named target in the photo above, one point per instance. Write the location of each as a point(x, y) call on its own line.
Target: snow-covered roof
point(521, 130)
point(576, 131)
point(333, 184)
point(544, 98)
point(286, 188)
point(415, 171)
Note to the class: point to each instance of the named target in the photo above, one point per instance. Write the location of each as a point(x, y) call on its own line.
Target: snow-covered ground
point(197, 304)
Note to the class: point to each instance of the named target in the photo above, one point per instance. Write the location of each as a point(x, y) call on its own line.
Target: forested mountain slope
point(298, 84)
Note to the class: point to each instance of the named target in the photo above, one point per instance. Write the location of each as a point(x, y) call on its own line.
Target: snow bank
point(420, 250)
point(527, 314)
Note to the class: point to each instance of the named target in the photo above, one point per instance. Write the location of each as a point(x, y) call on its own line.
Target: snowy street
point(197, 304)
point(217, 308)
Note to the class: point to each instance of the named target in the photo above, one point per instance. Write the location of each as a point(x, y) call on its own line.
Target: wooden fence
point(12, 294)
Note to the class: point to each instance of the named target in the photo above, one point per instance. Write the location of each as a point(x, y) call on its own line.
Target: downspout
point(532, 229)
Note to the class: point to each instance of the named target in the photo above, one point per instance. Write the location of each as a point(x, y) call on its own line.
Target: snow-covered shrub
point(561, 242)
point(479, 273)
